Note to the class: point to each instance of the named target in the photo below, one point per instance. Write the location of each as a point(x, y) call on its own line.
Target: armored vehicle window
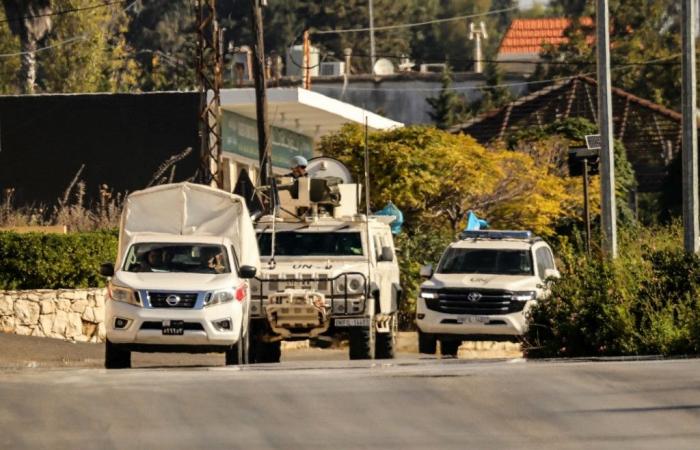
point(189, 258)
point(487, 261)
point(292, 243)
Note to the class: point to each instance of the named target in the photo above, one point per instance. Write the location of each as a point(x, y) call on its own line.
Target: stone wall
point(71, 314)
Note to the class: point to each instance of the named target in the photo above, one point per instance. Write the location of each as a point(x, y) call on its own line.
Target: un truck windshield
point(327, 244)
point(188, 258)
point(486, 261)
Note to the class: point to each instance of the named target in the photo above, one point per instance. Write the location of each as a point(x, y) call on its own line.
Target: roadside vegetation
point(645, 302)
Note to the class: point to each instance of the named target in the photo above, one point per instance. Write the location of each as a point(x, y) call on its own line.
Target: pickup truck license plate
point(474, 319)
point(173, 327)
point(352, 322)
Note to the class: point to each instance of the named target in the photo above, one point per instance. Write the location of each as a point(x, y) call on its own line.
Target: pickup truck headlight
point(218, 297)
point(226, 295)
point(124, 295)
point(428, 294)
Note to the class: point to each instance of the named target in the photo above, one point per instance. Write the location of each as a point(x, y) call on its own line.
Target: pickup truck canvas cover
point(187, 209)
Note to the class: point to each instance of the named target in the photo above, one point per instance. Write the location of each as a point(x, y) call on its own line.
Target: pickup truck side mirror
point(426, 271)
point(247, 272)
point(551, 273)
point(387, 254)
point(107, 269)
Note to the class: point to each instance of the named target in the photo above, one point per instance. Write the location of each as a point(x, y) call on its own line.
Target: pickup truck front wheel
point(449, 348)
point(116, 357)
point(237, 354)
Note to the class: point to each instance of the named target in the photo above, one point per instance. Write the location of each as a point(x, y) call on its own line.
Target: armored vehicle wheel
point(426, 343)
point(266, 352)
point(237, 354)
point(386, 342)
point(449, 348)
point(116, 357)
point(362, 342)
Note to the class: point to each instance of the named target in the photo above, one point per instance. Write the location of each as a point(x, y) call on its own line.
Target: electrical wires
point(416, 24)
point(62, 12)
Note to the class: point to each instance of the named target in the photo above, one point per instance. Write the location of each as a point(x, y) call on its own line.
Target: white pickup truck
point(180, 282)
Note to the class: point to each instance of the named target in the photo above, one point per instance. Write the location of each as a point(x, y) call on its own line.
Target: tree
point(435, 177)
point(493, 95)
point(29, 21)
point(90, 54)
point(644, 49)
point(448, 106)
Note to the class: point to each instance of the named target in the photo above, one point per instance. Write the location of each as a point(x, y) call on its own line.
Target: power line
point(62, 12)
point(48, 47)
point(416, 24)
point(521, 83)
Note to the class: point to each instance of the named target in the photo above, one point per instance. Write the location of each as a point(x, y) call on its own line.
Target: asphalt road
point(408, 403)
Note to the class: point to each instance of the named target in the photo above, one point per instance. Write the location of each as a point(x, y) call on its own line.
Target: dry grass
point(71, 210)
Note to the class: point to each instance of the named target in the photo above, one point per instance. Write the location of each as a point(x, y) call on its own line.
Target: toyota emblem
point(172, 300)
point(474, 297)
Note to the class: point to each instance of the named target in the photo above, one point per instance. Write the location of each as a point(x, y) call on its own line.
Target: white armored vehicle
point(180, 283)
point(327, 272)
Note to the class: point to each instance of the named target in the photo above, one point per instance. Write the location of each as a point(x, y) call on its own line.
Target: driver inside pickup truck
point(153, 262)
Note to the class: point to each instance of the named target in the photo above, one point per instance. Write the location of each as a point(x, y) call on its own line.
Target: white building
point(298, 119)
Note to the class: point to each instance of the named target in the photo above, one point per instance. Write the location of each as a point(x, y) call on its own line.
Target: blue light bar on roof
point(497, 234)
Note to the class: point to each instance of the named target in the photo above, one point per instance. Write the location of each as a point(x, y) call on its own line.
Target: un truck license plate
point(173, 327)
point(352, 322)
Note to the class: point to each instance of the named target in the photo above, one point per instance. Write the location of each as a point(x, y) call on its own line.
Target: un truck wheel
point(426, 343)
point(116, 357)
point(362, 342)
point(266, 352)
point(386, 342)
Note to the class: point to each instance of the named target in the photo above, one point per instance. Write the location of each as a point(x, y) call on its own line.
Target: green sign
point(240, 136)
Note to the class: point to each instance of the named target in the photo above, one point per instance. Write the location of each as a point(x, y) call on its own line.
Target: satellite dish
point(324, 166)
point(383, 67)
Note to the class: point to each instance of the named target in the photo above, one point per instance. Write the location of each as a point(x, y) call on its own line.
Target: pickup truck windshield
point(184, 258)
point(293, 243)
point(489, 261)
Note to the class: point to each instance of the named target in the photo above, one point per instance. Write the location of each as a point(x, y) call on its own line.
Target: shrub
point(645, 302)
point(53, 261)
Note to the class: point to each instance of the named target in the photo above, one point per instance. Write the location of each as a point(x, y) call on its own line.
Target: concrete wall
point(403, 97)
point(70, 314)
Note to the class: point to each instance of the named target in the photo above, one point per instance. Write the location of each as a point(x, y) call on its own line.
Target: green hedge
point(53, 261)
point(645, 302)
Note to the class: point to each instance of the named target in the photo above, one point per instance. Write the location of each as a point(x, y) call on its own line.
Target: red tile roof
point(530, 35)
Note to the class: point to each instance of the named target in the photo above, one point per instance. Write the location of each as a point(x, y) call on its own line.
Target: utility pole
point(372, 52)
point(307, 61)
point(690, 133)
point(209, 72)
point(477, 35)
point(264, 144)
point(608, 211)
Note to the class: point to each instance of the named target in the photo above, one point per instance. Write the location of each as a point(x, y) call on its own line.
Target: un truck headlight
point(353, 284)
point(123, 294)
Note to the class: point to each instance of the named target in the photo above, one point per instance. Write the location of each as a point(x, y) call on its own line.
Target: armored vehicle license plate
point(352, 322)
point(174, 327)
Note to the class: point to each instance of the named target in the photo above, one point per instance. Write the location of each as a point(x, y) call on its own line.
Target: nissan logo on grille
point(474, 297)
point(174, 300)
